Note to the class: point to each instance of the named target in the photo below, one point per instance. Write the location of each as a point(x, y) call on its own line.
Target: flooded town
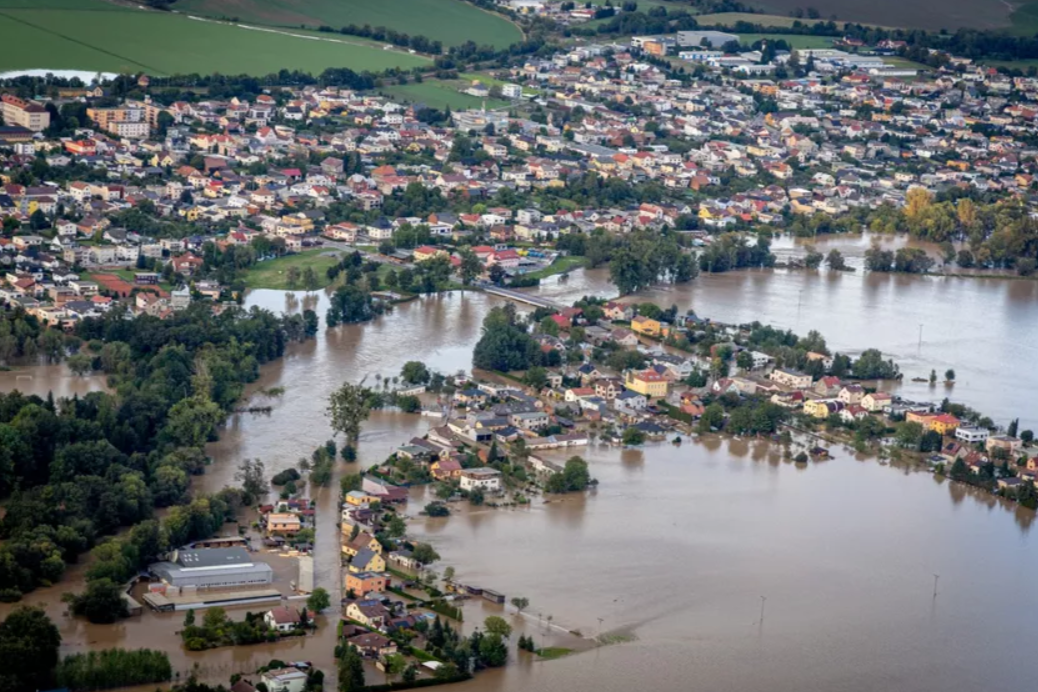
point(692, 367)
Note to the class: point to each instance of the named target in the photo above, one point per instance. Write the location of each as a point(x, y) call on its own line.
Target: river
point(678, 544)
point(984, 329)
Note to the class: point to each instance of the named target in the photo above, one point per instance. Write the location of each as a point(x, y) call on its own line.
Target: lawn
point(440, 94)
point(559, 266)
point(274, 273)
point(451, 21)
point(793, 40)
point(97, 37)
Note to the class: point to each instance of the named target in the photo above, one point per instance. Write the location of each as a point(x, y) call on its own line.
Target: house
point(851, 394)
point(367, 560)
point(944, 424)
point(444, 469)
point(624, 337)
point(876, 402)
point(404, 558)
point(529, 420)
point(821, 408)
point(790, 378)
point(284, 680)
point(648, 383)
point(363, 583)
point(368, 613)
point(282, 619)
point(485, 479)
point(1009, 445)
point(647, 326)
point(630, 402)
point(373, 645)
point(283, 523)
point(972, 434)
point(363, 540)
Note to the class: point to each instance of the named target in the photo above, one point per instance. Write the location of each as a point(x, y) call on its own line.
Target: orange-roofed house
point(427, 252)
point(648, 383)
point(945, 423)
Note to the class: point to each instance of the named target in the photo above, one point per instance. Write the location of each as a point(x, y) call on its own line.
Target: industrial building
point(713, 39)
point(213, 568)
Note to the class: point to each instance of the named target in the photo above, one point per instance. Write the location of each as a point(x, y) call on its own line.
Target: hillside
point(451, 21)
point(98, 35)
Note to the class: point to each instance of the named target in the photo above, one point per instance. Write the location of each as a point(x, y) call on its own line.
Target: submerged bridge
point(526, 298)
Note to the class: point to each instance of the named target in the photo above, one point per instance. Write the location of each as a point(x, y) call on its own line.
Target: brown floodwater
point(984, 329)
point(678, 544)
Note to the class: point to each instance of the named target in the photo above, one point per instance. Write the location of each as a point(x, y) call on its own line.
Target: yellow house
point(945, 424)
point(648, 383)
point(367, 561)
point(646, 325)
point(426, 252)
point(816, 408)
point(358, 498)
point(362, 541)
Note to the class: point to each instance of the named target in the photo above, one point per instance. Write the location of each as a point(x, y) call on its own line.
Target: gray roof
point(212, 557)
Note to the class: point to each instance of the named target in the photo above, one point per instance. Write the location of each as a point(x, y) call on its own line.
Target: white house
point(971, 435)
point(284, 680)
point(282, 619)
point(485, 479)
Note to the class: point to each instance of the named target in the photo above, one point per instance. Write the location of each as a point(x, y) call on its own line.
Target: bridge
point(526, 298)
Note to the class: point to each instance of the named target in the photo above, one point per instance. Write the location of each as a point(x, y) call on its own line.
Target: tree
point(351, 670)
point(573, 478)
point(493, 651)
point(712, 418)
point(253, 479)
point(536, 377)
point(396, 527)
point(425, 554)
point(80, 364)
point(415, 372)
point(192, 421)
point(633, 436)
point(318, 600)
point(349, 406)
point(1013, 426)
point(495, 624)
point(29, 644)
point(292, 277)
point(949, 375)
point(835, 261)
point(908, 434)
point(521, 603)
point(744, 360)
point(310, 281)
point(102, 603)
point(470, 267)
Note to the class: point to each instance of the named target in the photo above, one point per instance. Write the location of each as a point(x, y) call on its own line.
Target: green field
point(451, 21)
point(793, 40)
point(437, 94)
point(274, 273)
point(101, 36)
point(730, 18)
point(1024, 20)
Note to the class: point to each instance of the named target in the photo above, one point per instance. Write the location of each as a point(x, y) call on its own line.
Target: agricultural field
point(730, 18)
point(440, 94)
point(793, 40)
point(451, 21)
point(913, 14)
point(102, 36)
point(1024, 20)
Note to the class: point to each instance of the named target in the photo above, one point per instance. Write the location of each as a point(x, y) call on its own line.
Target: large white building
point(487, 480)
point(213, 568)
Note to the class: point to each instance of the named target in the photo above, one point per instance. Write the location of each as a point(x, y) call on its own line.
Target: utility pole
point(762, 600)
point(920, 337)
point(936, 577)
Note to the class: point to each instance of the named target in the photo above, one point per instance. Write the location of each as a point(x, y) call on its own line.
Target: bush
point(286, 476)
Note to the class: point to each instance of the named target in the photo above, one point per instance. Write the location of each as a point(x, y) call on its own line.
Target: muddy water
point(678, 544)
point(985, 329)
point(43, 379)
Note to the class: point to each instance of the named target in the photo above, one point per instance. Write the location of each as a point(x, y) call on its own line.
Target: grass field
point(730, 18)
point(274, 273)
point(915, 14)
point(792, 40)
point(1024, 20)
point(451, 21)
point(439, 94)
point(101, 36)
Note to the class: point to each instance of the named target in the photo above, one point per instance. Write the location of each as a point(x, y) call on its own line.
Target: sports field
point(436, 94)
point(274, 273)
point(451, 21)
point(98, 35)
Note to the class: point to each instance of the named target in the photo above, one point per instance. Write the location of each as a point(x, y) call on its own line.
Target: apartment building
point(23, 113)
